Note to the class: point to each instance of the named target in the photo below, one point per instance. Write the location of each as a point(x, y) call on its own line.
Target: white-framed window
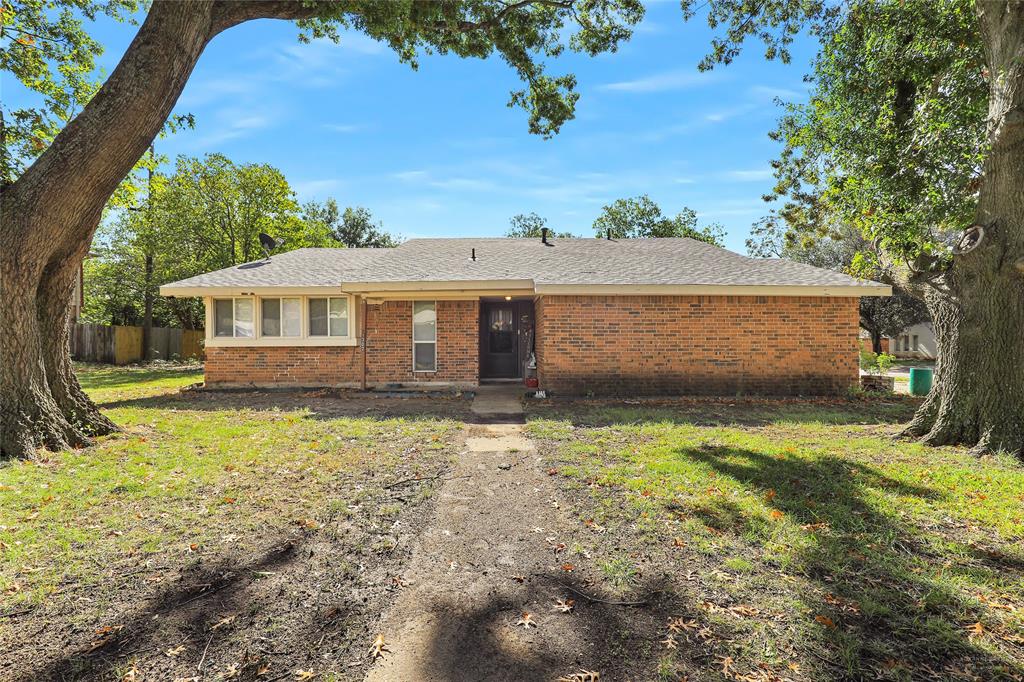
point(234, 317)
point(328, 316)
point(424, 336)
point(281, 317)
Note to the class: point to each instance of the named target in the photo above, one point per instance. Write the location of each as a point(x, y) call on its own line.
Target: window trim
point(413, 335)
point(302, 329)
point(348, 317)
point(258, 338)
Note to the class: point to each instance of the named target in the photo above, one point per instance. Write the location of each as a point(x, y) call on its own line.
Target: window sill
point(272, 341)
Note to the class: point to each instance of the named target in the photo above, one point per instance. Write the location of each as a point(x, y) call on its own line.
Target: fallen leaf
point(776, 514)
point(519, 578)
point(564, 605)
point(670, 642)
point(679, 542)
point(581, 676)
point(568, 568)
point(378, 648)
point(223, 622)
point(770, 495)
point(527, 620)
point(303, 675)
point(826, 621)
point(174, 651)
point(975, 629)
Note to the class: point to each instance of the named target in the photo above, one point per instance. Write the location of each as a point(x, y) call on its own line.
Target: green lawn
point(196, 480)
point(805, 541)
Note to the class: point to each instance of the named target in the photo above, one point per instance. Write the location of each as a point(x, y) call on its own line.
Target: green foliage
point(876, 363)
point(206, 216)
point(893, 137)
point(44, 45)
point(354, 227)
point(530, 226)
point(640, 217)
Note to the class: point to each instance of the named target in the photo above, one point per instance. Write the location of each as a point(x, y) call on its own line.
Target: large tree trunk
point(51, 212)
point(50, 215)
point(978, 306)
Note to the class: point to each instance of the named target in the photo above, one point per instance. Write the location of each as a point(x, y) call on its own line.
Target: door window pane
point(243, 317)
point(318, 317)
point(339, 317)
point(424, 321)
point(271, 322)
point(500, 331)
point(424, 357)
point(223, 313)
point(291, 317)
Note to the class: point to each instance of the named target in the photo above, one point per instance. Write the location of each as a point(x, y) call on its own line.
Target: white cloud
point(411, 175)
point(344, 127)
point(773, 92)
point(752, 175)
point(669, 80)
point(234, 127)
point(307, 189)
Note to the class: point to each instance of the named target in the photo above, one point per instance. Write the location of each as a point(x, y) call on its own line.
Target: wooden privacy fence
point(123, 345)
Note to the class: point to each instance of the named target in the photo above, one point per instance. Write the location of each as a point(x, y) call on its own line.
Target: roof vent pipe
point(608, 234)
point(472, 255)
point(544, 235)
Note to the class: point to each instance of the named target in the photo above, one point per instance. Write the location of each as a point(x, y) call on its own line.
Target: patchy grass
point(197, 487)
point(800, 539)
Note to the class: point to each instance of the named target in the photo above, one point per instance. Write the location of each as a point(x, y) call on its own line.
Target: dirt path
point(487, 556)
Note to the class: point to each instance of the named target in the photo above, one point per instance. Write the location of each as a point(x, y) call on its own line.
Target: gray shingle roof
point(579, 262)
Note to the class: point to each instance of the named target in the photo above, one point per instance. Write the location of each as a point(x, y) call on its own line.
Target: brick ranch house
point(632, 316)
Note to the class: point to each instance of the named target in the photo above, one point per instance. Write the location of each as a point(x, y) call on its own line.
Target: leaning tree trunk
point(978, 306)
point(50, 214)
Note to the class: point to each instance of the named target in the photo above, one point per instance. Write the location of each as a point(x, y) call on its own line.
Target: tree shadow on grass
point(468, 645)
point(247, 614)
point(879, 589)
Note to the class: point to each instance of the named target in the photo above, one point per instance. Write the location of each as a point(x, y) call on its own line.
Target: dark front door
point(499, 340)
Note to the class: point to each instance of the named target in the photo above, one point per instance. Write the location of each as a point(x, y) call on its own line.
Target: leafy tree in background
point(639, 217)
point(915, 136)
point(206, 216)
point(353, 227)
point(531, 226)
point(843, 250)
point(53, 207)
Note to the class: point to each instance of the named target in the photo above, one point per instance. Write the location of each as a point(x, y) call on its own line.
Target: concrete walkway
point(470, 579)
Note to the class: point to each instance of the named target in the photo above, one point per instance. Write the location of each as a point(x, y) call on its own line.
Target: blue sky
point(436, 152)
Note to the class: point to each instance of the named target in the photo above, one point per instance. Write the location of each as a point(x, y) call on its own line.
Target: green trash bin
point(920, 380)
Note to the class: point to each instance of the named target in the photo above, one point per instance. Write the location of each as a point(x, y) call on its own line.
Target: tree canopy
point(638, 217)
point(353, 227)
point(531, 225)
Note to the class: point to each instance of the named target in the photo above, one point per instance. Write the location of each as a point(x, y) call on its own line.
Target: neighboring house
point(636, 316)
point(917, 341)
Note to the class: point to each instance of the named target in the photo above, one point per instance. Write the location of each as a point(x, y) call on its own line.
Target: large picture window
point(281, 317)
point(328, 317)
point(234, 317)
point(424, 336)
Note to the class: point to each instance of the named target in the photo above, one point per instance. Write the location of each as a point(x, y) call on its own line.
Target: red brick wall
point(388, 353)
point(715, 345)
point(284, 365)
